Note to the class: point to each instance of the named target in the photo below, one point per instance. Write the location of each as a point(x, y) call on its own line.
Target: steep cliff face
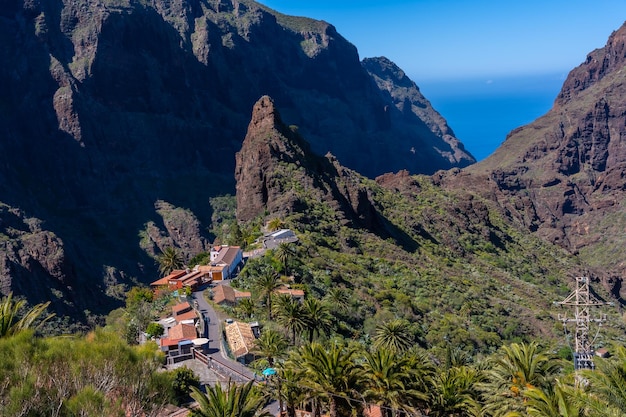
point(117, 115)
point(409, 111)
point(563, 175)
point(278, 174)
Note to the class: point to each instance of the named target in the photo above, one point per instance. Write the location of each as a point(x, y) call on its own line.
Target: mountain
point(454, 261)
point(562, 176)
point(120, 120)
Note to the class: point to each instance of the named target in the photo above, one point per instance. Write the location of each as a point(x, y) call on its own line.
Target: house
point(295, 294)
point(212, 272)
point(272, 240)
point(225, 294)
point(180, 279)
point(603, 353)
point(169, 280)
point(168, 323)
point(240, 339)
point(183, 312)
point(230, 257)
point(179, 341)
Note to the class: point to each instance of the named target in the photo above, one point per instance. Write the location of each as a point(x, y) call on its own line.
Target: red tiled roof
point(181, 307)
point(169, 342)
point(222, 293)
point(182, 331)
point(160, 282)
point(186, 316)
point(177, 273)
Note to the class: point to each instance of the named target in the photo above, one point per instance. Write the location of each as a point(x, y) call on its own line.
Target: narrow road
point(221, 363)
point(213, 331)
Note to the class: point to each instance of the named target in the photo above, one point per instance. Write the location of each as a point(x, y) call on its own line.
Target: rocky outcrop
point(562, 176)
point(278, 174)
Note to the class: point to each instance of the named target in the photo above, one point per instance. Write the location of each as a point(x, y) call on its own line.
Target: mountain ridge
point(121, 120)
point(562, 175)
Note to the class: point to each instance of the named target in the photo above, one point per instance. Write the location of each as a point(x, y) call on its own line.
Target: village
point(197, 335)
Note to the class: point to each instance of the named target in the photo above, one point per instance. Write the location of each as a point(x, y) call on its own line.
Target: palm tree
point(387, 382)
point(169, 260)
point(235, 401)
point(10, 321)
point(246, 307)
point(338, 298)
point(275, 224)
point(607, 385)
point(317, 317)
point(394, 335)
point(271, 345)
point(554, 400)
point(291, 315)
point(266, 283)
point(292, 391)
point(454, 393)
point(518, 367)
point(332, 374)
point(284, 252)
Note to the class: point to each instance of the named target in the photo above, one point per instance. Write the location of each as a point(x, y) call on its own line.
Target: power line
point(582, 300)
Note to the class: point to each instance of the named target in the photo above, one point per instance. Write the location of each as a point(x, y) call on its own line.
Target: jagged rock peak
point(265, 144)
point(406, 106)
point(265, 116)
point(278, 173)
point(599, 63)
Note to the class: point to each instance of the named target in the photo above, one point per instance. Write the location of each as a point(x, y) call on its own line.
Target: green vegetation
point(234, 401)
point(95, 375)
point(169, 260)
point(13, 320)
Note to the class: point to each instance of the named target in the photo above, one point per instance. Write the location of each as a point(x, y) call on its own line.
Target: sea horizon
point(482, 111)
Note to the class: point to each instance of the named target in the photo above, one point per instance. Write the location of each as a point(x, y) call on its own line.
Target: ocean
point(482, 112)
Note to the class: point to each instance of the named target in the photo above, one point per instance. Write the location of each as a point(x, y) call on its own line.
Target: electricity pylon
point(582, 300)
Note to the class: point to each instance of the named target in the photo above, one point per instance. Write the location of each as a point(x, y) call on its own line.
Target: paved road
point(213, 331)
point(222, 364)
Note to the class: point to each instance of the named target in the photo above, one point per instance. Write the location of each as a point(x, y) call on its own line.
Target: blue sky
point(454, 39)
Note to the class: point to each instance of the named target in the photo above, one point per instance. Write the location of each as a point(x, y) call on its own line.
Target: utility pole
point(582, 300)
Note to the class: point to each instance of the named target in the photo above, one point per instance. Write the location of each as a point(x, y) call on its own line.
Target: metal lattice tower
point(582, 300)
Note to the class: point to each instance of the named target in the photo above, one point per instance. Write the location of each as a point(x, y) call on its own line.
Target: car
point(228, 321)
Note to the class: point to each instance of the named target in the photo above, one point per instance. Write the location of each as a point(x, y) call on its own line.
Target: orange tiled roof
point(182, 331)
point(222, 293)
point(160, 282)
point(177, 273)
point(372, 411)
point(186, 316)
point(242, 294)
point(240, 338)
point(181, 307)
point(293, 293)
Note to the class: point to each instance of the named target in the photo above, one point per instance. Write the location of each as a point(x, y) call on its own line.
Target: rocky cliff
point(454, 249)
point(120, 119)
point(278, 174)
point(562, 176)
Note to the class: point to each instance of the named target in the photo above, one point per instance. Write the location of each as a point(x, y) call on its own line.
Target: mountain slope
point(121, 118)
point(451, 260)
point(563, 175)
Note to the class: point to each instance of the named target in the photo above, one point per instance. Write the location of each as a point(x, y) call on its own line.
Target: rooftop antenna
point(582, 300)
